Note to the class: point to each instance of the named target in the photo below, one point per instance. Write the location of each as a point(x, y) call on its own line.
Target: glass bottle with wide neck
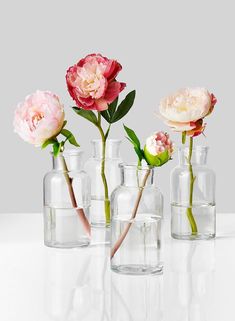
point(136, 211)
point(193, 211)
point(67, 202)
point(106, 161)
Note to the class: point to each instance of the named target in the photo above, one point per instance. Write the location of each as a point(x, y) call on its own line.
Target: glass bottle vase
point(66, 202)
point(112, 173)
point(136, 207)
point(193, 212)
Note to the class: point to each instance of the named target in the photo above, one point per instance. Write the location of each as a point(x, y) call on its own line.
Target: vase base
point(68, 245)
point(190, 237)
point(100, 235)
point(137, 269)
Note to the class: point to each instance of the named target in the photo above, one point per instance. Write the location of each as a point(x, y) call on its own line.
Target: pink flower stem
point(124, 234)
point(79, 211)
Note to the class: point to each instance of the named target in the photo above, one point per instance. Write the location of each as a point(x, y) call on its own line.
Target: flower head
point(185, 110)
point(158, 149)
point(92, 84)
point(39, 117)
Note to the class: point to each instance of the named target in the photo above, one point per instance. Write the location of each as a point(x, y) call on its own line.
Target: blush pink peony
point(186, 109)
point(39, 117)
point(92, 84)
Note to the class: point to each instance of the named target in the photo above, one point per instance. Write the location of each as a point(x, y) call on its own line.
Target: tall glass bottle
point(66, 202)
point(193, 212)
point(112, 173)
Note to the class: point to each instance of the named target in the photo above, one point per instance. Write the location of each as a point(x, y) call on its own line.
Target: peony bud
point(158, 149)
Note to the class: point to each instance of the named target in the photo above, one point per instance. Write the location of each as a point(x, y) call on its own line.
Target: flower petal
point(113, 90)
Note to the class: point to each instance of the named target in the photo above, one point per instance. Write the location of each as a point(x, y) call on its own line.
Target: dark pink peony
point(92, 84)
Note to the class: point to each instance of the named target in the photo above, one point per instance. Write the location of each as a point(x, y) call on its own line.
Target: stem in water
point(79, 211)
point(192, 180)
point(124, 234)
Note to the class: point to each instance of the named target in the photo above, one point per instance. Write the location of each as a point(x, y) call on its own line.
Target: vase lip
point(136, 166)
point(112, 140)
point(70, 152)
point(195, 148)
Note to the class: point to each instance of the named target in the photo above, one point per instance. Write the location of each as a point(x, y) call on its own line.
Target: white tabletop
point(39, 283)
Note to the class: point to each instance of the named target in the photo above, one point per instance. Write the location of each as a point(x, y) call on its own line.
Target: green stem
point(103, 176)
point(192, 180)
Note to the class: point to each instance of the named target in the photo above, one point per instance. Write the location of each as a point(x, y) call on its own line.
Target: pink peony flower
point(186, 109)
point(91, 82)
point(39, 117)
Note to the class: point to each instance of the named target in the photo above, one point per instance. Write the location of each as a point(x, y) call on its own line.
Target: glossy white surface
point(43, 284)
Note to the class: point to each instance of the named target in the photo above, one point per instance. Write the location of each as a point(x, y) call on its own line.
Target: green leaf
point(139, 153)
point(108, 114)
point(70, 137)
point(132, 135)
point(87, 114)
point(183, 137)
point(112, 107)
point(105, 115)
point(124, 107)
point(57, 148)
point(48, 142)
point(135, 142)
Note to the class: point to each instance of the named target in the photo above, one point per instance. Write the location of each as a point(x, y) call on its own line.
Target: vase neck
point(112, 148)
point(70, 160)
point(134, 176)
point(199, 155)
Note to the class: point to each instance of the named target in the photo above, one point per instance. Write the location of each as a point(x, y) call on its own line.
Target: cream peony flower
point(183, 109)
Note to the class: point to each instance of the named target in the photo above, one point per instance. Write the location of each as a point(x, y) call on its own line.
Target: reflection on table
point(189, 281)
point(77, 284)
point(80, 286)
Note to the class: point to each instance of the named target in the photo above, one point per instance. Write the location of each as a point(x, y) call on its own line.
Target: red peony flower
point(92, 84)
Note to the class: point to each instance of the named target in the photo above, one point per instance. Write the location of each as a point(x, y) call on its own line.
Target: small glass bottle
point(112, 173)
point(193, 197)
point(66, 202)
point(136, 207)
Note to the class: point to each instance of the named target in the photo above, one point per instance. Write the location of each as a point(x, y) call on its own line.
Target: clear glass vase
point(136, 207)
point(112, 173)
point(66, 202)
point(193, 212)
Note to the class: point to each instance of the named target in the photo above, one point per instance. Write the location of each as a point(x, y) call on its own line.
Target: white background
point(162, 45)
